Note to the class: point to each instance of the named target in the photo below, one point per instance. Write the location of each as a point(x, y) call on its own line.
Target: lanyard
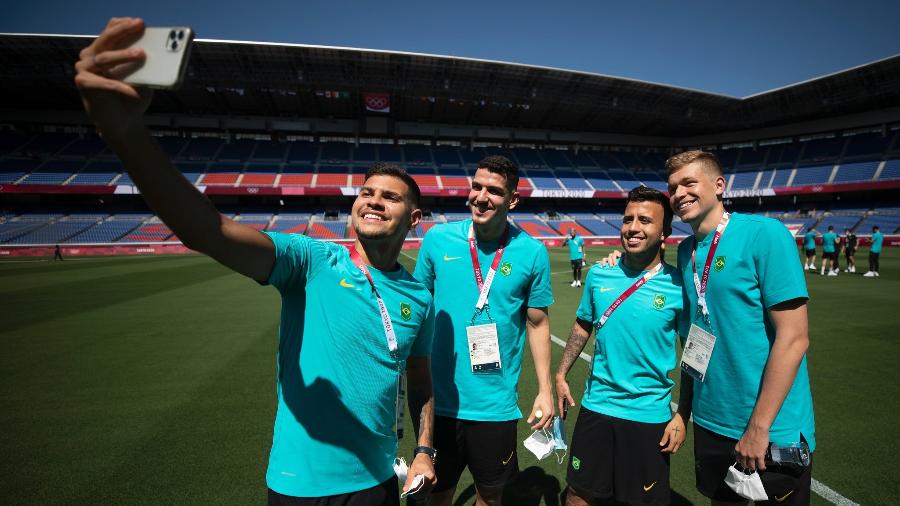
point(391, 339)
point(700, 284)
point(633, 288)
point(389, 334)
point(484, 284)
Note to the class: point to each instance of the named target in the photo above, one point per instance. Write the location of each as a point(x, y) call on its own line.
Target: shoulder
point(754, 224)
point(672, 274)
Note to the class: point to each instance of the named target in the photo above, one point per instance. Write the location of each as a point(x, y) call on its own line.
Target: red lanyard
point(389, 334)
point(633, 288)
point(700, 284)
point(484, 285)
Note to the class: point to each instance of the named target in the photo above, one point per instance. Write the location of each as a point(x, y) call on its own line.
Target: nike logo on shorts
point(648, 487)
point(504, 462)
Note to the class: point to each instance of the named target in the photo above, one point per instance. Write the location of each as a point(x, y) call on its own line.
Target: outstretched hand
point(113, 105)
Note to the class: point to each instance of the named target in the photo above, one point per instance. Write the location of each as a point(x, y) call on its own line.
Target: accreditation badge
point(697, 352)
point(484, 347)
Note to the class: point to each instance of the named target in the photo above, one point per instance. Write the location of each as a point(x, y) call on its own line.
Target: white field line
point(818, 487)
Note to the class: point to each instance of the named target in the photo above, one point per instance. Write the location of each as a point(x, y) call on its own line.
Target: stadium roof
point(300, 81)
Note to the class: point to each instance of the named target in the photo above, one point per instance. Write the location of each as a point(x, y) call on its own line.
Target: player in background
point(829, 252)
point(576, 255)
point(849, 244)
point(809, 247)
point(625, 429)
point(874, 252)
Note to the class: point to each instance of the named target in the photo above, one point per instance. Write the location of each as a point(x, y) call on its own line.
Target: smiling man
point(491, 285)
point(626, 430)
point(335, 437)
point(746, 296)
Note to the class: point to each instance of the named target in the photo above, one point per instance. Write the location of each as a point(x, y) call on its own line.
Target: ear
point(414, 218)
point(514, 200)
point(720, 186)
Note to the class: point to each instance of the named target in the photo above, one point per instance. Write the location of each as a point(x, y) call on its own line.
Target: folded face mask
point(540, 443)
point(749, 486)
point(543, 442)
point(401, 469)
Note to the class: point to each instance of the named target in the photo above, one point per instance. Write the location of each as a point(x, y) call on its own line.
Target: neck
point(641, 262)
point(706, 224)
point(489, 231)
point(381, 255)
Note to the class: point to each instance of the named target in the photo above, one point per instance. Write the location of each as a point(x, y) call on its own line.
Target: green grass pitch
point(152, 380)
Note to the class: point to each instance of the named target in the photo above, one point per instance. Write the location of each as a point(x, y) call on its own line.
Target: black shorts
point(487, 448)
point(849, 252)
point(612, 457)
point(383, 494)
point(576, 264)
point(714, 454)
point(811, 252)
point(829, 255)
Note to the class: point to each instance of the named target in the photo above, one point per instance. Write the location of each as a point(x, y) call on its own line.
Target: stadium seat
point(857, 171)
point(817, 174)
point(296, 175)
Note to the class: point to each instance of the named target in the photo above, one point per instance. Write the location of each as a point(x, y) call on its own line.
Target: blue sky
point(733, 48)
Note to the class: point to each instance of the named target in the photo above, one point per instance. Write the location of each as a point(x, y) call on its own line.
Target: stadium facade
point(280, 135)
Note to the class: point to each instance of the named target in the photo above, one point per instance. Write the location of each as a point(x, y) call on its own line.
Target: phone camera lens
point(172, 35)
point(181, 35)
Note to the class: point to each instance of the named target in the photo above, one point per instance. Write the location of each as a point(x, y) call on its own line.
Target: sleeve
point(684, 316)
point(292, 260)
point(780, 274)
point(540, 293)
point(424, 272)
point(422, 346)
point(585, 309)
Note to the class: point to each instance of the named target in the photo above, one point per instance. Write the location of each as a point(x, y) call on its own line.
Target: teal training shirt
point(809, 240)
point(445, 266)
point(829, 239)
point(337, 381)
point(635, 349)
point(754, 268)
point(576, 247)
point(877, 240)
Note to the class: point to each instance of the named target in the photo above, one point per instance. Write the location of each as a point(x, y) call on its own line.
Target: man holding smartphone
point(335, 437)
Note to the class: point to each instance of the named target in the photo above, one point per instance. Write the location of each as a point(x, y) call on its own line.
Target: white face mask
point(542, 442)
point(400, 469)
point(748, 486)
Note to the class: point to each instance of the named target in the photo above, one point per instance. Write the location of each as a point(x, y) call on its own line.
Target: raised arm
point(538, 329)
point(578, 337)
point(117, 109)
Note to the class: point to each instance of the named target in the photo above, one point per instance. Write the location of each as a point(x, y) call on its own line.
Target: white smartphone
point(167, 50)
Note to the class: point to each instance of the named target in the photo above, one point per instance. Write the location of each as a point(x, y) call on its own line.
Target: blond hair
point(709, 161)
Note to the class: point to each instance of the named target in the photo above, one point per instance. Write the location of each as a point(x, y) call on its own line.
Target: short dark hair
point(830, 227)
point(646, 194)
point(503, 166)
point(709, 161)
point(875, 227)
point(390, 169)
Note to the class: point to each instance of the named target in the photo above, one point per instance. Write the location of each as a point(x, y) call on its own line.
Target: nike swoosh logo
point(648, 487)
point(504, 462)
point(785, 496)
point(604, 290)
point(345, 284)
point(447, 259)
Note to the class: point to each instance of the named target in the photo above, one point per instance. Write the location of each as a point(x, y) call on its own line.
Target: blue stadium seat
point(872, 143)
point(364, 153)
point(817, 174)
point(572, 180)
point(303, 152)
point(202, 148)
point(542, 179)
point(269, 151)
point(891, 170)
point(236, 151)
point(447, 155)
point(857, 171)
point(745, 180)
point(782, 174)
